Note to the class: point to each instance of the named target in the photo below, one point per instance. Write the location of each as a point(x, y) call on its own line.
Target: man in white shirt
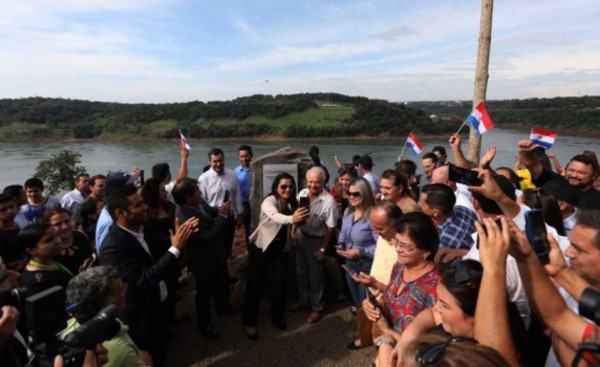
point(73, 199)
point(314, 237)
point(219, 185)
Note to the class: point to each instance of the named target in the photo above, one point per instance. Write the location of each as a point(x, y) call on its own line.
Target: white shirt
point(323, 214)
point(463, 197)
point(71, 201)
point(213, 187)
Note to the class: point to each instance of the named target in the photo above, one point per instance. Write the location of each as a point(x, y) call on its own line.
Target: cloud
point(394, 33)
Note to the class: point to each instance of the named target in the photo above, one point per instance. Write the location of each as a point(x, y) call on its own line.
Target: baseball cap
point(118, 179)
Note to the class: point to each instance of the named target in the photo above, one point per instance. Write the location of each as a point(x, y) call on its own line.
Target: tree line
point(258, 115)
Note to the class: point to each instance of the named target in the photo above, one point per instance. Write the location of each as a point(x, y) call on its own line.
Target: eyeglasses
point(432, 353)
point(402, 246)
point(353, 194)
point(286, 187)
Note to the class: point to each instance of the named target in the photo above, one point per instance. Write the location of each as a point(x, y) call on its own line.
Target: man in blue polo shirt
point(244, 179)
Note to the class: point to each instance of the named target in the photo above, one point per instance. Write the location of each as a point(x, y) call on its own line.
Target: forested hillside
point(295, 115)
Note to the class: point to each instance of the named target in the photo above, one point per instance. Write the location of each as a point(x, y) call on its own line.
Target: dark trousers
point(247, 216)
point(211, 284)
point(228, 235)
point(272, 264)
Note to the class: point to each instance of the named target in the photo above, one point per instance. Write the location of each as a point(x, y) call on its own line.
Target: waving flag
point(541, 137)
point(183, 143)
point(480, 119)
point(414, 144)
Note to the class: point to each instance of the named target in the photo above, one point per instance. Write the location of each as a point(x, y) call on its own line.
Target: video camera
point(589, 307)
point(46, 316)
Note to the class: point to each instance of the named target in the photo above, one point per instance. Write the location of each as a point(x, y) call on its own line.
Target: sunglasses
point(354, 194)
point(285, 187)
point(432, 353)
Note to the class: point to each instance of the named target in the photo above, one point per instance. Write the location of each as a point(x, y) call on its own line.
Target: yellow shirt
point(383, 261)
point(526, 183)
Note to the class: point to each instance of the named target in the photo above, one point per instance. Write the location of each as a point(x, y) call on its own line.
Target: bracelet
point(386, 341)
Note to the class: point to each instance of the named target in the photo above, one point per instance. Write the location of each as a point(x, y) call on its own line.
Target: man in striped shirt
point(314, 238)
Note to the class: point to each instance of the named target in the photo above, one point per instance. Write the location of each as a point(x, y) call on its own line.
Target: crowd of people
point(437, 270)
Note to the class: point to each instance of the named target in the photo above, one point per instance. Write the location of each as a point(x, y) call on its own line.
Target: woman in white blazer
point(268, 252)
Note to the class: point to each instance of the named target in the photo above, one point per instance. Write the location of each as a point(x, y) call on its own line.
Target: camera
point(589, 304)
point(46, 315)
point(13, 297)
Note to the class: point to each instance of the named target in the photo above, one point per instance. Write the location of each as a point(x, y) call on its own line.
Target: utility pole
point(481, 71)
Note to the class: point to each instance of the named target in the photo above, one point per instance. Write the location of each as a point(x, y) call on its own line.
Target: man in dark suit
point(206, 256)
point(126, 247)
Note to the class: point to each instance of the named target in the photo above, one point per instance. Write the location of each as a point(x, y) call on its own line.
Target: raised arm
point(459, 158)
point(543, 295)
point(528, 158)
point(491, 314)
point(183, 165)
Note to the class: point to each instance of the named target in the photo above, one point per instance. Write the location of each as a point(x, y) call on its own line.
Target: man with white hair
point(314, 237)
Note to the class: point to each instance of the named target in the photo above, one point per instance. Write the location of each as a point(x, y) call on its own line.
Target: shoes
point(314, 317)
point(281, 325)
point(352, 345)
point(251, 332)
point(296, 307)
point(209, 331)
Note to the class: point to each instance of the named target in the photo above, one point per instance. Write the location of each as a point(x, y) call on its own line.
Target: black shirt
point(589, 199)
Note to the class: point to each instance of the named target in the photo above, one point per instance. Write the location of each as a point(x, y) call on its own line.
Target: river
point(20, 159)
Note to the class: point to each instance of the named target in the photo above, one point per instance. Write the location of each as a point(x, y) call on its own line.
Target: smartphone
point(226, 198)
point(142, 181)
point(349, 270)
point(535, 229)
point(463, 176)
point(373, 300)
point(305, 202)
point(498, 223)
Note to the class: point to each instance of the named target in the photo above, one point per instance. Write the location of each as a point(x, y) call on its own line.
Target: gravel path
point(302, 344)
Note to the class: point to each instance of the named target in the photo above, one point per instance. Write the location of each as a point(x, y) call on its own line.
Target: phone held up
point(305, 202)
point(535, 229)
point(226, 198)
point(463, 176)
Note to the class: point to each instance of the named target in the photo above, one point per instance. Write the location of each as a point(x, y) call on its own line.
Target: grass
point(315, 117)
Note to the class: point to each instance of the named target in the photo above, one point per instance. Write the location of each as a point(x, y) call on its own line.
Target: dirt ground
point(302, 344)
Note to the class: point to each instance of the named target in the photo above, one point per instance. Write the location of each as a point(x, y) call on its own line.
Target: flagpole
point(404, 147)
point(461, 126)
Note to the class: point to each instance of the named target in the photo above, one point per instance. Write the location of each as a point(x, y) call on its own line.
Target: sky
point(398, 50)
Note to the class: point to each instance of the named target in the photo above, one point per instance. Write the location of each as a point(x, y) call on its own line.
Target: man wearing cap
point(114, 181)
point(73, 199)
point(366, 166)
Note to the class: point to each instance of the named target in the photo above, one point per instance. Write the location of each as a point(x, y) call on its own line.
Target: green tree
point(59, 171)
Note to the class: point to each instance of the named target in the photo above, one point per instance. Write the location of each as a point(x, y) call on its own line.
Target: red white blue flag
point(183, 143)
point(543, 138)
point(414, 144)
point(480, 119)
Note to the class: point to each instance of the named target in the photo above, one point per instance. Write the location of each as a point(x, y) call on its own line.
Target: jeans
point(358, 291)
point(310, 273)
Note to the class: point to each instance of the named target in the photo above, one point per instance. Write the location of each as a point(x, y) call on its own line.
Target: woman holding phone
point(268, 252)
point(413, 283)
point(357, 240)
